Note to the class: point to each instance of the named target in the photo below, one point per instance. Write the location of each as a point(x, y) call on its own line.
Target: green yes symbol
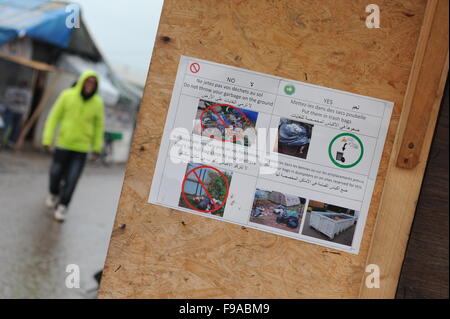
point(289, 89)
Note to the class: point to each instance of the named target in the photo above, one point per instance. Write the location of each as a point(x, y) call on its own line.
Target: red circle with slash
point(195, 67)
point(223, 122)
point(193, 171)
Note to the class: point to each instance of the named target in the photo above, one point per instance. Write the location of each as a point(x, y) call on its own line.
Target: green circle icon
point(289, 89)
point(340, 155)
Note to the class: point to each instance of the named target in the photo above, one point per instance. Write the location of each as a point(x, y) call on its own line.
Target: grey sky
point(125, 32)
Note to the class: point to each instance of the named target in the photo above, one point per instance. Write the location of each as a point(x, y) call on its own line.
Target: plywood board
point(156, 252)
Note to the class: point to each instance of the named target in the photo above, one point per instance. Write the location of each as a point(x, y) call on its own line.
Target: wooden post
point(432, 52)
point(37, 112)
point(34, 79)
point(402, 187)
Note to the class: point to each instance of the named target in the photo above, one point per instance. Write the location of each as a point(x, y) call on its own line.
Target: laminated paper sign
point(282, 156)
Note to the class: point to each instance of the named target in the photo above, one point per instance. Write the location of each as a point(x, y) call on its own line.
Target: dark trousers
point(13, 121)
point(65, 172)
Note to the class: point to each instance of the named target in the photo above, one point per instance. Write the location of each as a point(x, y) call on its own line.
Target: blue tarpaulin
point(39, 19)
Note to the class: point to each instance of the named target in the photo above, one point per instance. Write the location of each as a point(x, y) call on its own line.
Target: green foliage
point(217, 186)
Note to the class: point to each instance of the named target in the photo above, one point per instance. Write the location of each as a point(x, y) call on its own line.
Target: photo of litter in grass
point(293, 138)
point(278, 210)
point(205, 189)
point(330, 222)
point(226, 123)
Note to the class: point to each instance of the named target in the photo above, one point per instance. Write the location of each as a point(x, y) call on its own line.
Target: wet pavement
point(34, 249)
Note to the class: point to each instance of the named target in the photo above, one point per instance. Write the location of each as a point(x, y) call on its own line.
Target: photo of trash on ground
point(293, 138)
point(205, 189)
point(225, 123)
point(330, 222)
point(278, 210)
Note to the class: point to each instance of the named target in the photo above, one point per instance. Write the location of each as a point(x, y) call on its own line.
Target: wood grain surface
point(157, 252)
point(425, 270)
point(402, 187)
point(431, 55)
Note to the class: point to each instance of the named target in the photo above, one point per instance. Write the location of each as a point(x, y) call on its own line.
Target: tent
point(284, 199)
point(38, 19)
point(37, 46)
point(261, 194)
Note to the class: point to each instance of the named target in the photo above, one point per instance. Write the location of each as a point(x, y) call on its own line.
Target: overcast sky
point(125, 32)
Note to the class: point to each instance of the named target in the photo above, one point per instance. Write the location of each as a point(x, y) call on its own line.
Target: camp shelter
point(284, 199)
point(37, 46)
point(262, 194)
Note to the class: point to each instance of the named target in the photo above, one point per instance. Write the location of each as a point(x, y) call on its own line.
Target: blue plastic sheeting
point(292, 134)
point(7, 35)
point(39, 19)
point(251, 115)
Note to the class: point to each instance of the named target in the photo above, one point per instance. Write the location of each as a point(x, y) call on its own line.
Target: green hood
point(83, 77)
point(80, 121)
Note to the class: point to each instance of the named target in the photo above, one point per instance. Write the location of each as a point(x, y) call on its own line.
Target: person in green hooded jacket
point(78, 114)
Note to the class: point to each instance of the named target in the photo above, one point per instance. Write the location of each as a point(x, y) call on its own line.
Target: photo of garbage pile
point(278, 210)
point(205, 189)
point(293, 138)
point(226, 123)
